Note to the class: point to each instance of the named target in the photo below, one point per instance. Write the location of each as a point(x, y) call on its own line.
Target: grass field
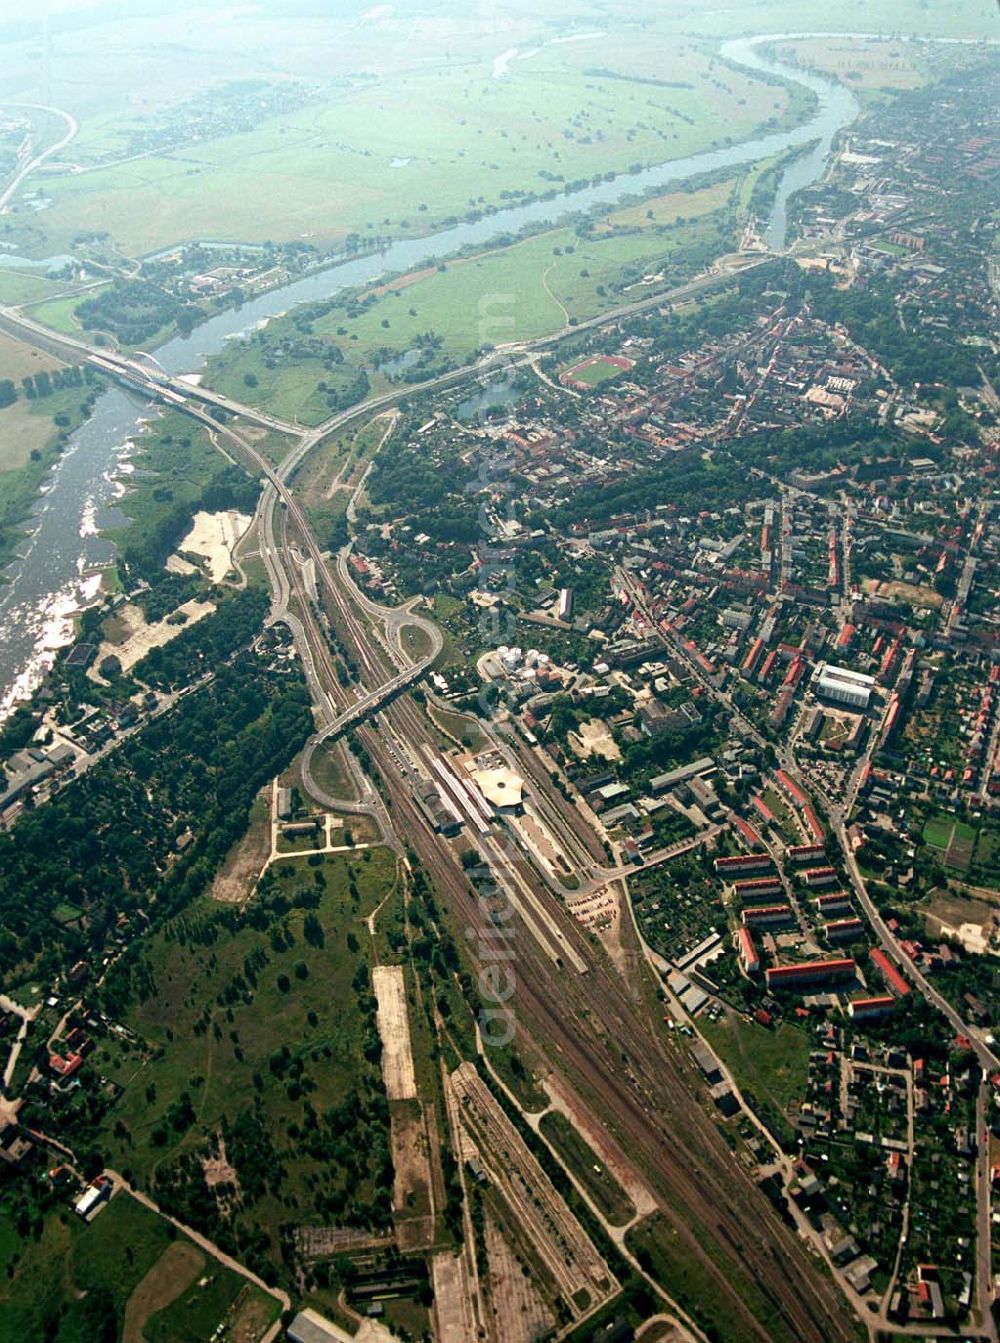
point(662, 1251)
point(532, 288)
point(461, 728)
point(326, 481)
point(124, 1249)
point(421, 143)
point(581, 1161)
point(937, 831)
point(196, 1309)
point(669, 208)
point(260, 1022)
point(786, 822)
point(60, 313)
point(772, 1066)
point(331, 773)
point(18, 286)
point(175, 1270)
point(416, 641)
point(175, 458)
point(410, 116)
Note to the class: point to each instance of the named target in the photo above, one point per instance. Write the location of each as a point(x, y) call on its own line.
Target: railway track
point(584, 1025)
point(591, 1030)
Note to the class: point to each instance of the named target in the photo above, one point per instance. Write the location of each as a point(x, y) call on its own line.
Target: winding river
point(57, 572)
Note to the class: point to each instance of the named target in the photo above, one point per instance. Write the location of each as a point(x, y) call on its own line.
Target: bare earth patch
point(594, 738)
point(970, 922)
point(452, 1303)
point(394, 1031)
point(235, 878)
point(910, 592)
point(141, 638)
point(174, 1271)
point(519, 1314)
point(213, 538)
point(411, 1204)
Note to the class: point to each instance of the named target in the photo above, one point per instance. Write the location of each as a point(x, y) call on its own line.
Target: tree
point(91, 1319)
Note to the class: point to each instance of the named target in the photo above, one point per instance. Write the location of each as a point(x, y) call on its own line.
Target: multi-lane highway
point(572, 1008)
point(25, 169)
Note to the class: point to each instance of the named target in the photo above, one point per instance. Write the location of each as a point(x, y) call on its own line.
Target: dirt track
point(610, 1047)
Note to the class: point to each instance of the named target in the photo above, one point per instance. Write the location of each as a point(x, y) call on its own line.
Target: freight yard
point(604, 784)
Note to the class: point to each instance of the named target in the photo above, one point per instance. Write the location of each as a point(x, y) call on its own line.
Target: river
point(56, 573)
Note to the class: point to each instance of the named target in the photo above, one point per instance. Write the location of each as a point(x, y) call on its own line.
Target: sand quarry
point(139, 637)
point(212, 539)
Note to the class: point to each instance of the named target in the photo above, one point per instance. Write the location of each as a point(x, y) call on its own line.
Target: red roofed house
point(895, 982)
point(810, 972)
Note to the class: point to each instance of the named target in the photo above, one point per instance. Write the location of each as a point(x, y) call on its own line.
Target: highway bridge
point(145, 375)
point(373, 701)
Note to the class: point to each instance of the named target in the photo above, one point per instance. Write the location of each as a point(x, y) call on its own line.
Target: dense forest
point(134, 310)
point(107, 844)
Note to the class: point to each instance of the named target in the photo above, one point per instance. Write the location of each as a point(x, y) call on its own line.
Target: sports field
point(595, 370)
point(954, 840)
point(525, 290)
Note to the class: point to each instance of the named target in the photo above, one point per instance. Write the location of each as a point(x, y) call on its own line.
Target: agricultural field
point(953, 840)
point(872, 68)
point(510, 111)
point(394, 121)
point(964, 18)
point(18, 361)
point(125, 1275)
point(27, 427)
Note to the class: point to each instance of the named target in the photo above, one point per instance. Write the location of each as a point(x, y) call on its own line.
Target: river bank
point(54, 577)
